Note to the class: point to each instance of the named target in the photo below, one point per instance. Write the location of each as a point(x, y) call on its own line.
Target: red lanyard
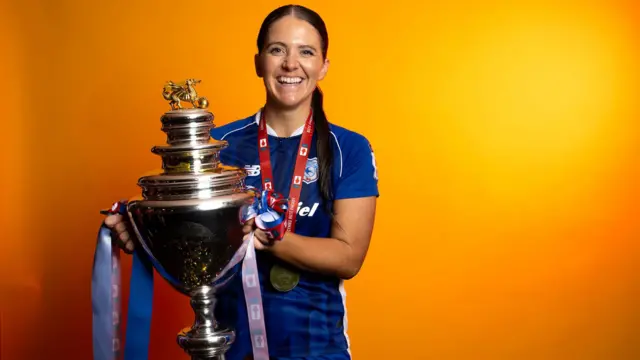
point(298, 172)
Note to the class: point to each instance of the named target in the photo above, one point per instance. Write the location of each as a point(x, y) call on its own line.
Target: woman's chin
point(288, 104)
point(291, 101)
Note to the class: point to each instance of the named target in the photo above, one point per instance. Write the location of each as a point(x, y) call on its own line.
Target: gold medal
point(283, 278)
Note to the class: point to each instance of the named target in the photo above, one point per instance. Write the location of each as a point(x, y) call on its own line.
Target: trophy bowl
point(187, 221)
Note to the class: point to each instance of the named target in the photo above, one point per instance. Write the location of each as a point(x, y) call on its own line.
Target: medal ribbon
point(298, 172)
point(272, 215)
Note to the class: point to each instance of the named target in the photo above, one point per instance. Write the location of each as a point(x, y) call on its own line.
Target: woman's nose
point(290, 62)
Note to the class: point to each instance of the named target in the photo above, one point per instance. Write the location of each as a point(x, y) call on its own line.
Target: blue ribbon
point(105, 295)
point(140, 308)
point(106, 341)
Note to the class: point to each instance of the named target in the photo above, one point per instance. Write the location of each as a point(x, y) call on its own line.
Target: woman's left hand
point(261, 240)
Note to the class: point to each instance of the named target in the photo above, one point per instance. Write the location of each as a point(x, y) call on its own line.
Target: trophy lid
point(191, 167)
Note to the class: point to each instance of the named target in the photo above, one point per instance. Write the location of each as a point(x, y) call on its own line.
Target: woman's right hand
point(119, 226)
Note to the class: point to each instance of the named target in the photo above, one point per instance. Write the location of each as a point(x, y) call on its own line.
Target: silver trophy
point(187, 217)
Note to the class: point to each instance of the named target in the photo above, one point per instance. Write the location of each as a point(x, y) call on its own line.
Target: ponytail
point(323, 145)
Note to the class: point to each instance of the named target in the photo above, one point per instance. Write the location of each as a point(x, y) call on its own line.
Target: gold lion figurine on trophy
point(184, 91)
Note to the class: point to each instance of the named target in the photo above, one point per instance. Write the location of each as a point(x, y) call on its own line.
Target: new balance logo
point(252, 170)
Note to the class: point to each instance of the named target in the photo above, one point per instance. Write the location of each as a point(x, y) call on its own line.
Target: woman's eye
point(276, 51)
point(307, 52)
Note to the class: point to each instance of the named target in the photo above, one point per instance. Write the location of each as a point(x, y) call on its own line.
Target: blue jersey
point(310, 320)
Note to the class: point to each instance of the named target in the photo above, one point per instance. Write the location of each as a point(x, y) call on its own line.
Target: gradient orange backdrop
point(507, 138)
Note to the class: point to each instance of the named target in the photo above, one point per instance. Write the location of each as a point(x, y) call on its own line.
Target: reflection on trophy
point(186, 218)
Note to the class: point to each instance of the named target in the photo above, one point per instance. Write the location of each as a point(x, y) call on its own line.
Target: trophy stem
point(205, 340)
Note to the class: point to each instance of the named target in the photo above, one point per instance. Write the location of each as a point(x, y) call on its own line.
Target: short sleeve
point(230, 155)
point(357, 173)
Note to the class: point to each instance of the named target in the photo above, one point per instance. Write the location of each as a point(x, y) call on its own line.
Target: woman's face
point(291, 62)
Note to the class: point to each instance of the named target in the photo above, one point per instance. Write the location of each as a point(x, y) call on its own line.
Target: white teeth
point(289, 80)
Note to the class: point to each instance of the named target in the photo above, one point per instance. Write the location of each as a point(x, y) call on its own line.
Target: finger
point(258, 244)
point(129, 246)
point(125, 242)
point(249, 226)
point(120, 227)
point(247, 229)
point(124, 237)
point(112, 220)
point(262, 236)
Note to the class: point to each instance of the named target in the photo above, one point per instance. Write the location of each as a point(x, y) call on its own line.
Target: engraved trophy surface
point(187, 216)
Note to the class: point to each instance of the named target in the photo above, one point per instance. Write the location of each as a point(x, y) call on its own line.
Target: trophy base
point(205, 340)
point(210, 346)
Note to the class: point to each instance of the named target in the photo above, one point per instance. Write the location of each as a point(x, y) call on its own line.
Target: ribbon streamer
point(105, 297)
point(253, 300)
point(268, 210)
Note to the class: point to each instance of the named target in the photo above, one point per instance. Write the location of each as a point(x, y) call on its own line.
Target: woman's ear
point(325, 68)
point(256, 62)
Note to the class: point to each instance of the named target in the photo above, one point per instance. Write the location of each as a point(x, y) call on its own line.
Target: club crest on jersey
point(311, 171)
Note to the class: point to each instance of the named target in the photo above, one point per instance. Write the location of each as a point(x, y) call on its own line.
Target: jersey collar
point(272, 132)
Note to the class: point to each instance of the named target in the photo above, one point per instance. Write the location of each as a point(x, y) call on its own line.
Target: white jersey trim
point(345, 321)
point(232, 131)
point(339, 150)
point(272, 132)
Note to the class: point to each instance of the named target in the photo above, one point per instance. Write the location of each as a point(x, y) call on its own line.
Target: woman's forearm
point(328, 256)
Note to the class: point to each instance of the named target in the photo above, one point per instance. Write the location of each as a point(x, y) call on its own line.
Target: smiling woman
point(329, 177)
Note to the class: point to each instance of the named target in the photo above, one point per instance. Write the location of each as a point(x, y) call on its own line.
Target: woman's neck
point(285, 122)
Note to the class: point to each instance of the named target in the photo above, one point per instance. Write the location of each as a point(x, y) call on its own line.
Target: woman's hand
point(261, 240)
point(118, 224)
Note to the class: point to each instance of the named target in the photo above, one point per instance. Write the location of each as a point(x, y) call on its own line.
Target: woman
point(302, 274)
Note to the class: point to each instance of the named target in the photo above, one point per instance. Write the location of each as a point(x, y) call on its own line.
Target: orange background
point(508, 145)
